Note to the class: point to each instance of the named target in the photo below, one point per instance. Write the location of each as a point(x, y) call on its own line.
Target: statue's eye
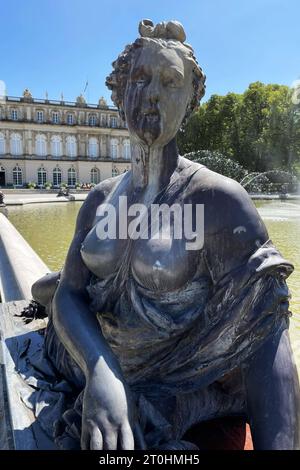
point(171, 80)
point(141, 80)
point(171, 83)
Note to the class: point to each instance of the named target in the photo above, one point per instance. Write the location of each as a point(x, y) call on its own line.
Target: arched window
point(71, 177)
point(92, 120)
point(114, 148)
point(17, 176)
point(115, 171)
point(41, 145)
point(71, 146)
point(57, 176)
point(126, 149)
point(16, 144)
point(2, 144)
point(56, 146)
point(95, 175)
point(42, 176)
point(93, 147)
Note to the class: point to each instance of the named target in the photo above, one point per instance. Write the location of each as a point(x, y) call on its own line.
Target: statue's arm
point(270, 376)
point(44, 288)
point(273, 395)
point(107, 411)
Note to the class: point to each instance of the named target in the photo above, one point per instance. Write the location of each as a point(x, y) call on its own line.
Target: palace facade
point(59, 142)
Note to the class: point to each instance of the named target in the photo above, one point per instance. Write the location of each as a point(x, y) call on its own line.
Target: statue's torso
point(158, 263)
point(164, 288)
point(165, 310)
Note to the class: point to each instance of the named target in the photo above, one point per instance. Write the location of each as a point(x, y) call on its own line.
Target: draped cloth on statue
point(184, 340)
point(174, 347)
point(171, 357)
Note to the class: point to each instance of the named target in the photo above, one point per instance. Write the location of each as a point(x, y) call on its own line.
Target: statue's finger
point(96, 439)
point(126, 437)
point(110, 440)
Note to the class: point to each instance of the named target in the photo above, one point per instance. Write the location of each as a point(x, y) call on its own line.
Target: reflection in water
point(49, 229)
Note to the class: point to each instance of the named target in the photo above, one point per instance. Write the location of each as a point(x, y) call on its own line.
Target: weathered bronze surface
point(152, 338)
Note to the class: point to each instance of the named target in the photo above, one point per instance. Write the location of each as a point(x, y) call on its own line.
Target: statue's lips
point(151, 117)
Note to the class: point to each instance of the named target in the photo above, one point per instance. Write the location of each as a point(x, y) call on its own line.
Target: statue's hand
point(108, 414)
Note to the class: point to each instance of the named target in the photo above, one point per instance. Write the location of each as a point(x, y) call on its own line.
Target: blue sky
point(56, 45)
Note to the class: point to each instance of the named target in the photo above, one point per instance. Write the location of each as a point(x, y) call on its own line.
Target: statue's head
point(156, 82)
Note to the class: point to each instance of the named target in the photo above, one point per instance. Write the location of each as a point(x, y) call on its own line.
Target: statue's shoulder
point(227, 205)
point(211, 185)
point(103, 189)
point(97, 196)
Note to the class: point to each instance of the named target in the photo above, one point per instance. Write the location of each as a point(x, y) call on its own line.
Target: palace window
point(95, 175)
point(93, 149)
point(71, 177)
point(115, 171)
point(71, 146)
point(2, 144)
point(17, 176)
point(16, 144)
point(103, 120)
point(40, 116)
point(41, 145)
point(56, 147)
point(14, 114)
point(114, 148)
point(113, 121)
point(57, 176)
point(55, 118)
point(42, 176)
point(92, 120)
point(126, 149)
point(70, 119)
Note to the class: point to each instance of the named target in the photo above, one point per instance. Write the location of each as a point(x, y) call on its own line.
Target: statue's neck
point(152, 167)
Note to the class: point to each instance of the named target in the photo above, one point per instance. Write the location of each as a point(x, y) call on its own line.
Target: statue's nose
point(153, 92)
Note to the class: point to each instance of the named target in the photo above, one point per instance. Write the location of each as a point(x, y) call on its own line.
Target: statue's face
point(158, 92)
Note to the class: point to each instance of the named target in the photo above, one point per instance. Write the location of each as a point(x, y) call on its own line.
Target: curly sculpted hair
point(166, 34)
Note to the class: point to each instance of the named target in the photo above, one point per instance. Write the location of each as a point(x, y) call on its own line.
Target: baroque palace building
point(59, 142)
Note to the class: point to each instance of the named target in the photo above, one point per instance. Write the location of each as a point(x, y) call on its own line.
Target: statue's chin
point(152, 137)
point(147, 137)
point(148, 140)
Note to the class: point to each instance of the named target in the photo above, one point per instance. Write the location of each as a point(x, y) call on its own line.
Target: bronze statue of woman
point(154, 337)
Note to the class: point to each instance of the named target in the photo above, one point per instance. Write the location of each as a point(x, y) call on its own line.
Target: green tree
point(259, 129)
